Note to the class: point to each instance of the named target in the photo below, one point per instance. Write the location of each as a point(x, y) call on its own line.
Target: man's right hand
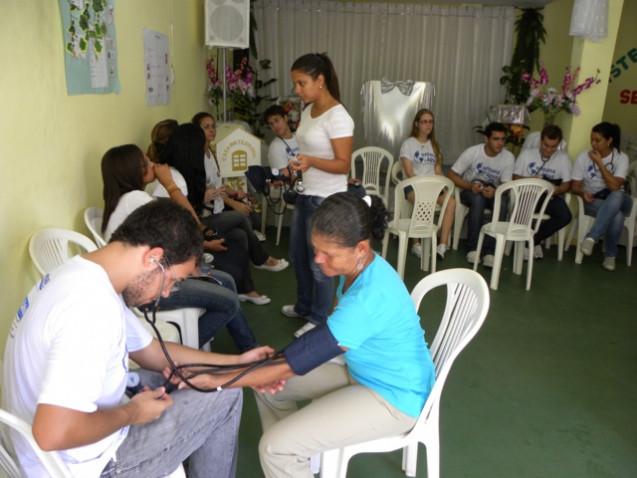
point(588, 197)
point(488, 192)
point(149, 405)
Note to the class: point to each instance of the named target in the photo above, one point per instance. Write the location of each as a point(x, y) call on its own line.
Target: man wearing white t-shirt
point(547, 162)
point(66, 362)
point(284, 147)
point(477, 172)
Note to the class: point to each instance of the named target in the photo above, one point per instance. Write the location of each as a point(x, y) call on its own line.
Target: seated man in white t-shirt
point(477, 172)
point(284, 147)
point(66, 362)
point(545, 161)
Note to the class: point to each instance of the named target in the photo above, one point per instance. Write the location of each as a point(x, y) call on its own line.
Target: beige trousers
point(342, 412)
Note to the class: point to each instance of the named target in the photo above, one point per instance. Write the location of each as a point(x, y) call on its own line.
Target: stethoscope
point(195, 369)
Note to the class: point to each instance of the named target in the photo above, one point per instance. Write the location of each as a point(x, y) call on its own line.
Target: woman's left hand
point(241, 207)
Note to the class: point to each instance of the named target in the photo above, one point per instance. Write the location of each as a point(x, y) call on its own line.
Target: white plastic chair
point(420, 224)
point(584, 223)
point(9, 463)
point(525, 195)
point(52, 247)
point(93, 220)
point(465, 311)
point(374, 161)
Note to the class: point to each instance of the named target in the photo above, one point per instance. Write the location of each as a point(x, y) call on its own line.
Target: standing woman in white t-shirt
point(420, 155)
point(598, 177)
point(325, 137)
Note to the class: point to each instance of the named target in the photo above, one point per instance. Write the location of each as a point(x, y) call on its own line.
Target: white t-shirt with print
point(126, 205)
point(586, 170)
point(531, 164)
point(281, 151)
point(213, 179)
point(314, 137)
point(68, 346)
point(421, 155)
point(474, 164)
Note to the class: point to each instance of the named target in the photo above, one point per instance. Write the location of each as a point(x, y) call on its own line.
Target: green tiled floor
point(548, 388)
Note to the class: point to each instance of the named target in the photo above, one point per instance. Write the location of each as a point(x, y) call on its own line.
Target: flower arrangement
point(551, 100)
point(243, 88)
point(239, 83)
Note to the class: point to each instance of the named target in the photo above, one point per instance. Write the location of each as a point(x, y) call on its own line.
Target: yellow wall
point(624, 114)
point(556, 52)
point(51, 143)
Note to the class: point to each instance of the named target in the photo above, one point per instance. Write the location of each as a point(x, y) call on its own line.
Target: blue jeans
point(477, 204)
point(314, 290)
point(221, 304)
point(609, 216)
point(559, 216)
point(202, 426)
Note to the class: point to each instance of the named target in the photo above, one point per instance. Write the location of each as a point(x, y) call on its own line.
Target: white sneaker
point(538, 253)
point(587, 246)
point(609, 263)
point(416, 250)
point(260, 236)
point(440, 250)
point(306, 328)
point(487, 261)
point(473, 257)
point(280, 265)
point(288, 311)
point(255, 299)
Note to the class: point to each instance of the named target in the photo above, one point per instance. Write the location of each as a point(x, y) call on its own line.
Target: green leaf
point(83, 44)
point(98, 46)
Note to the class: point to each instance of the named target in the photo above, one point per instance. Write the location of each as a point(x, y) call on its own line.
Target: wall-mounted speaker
point(228, 23)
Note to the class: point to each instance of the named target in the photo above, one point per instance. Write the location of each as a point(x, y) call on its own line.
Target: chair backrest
point(396, 174)
point(93, 220)
point(426, 189)
point(524, 196)
point(465, 311)
point(8, 463)
point(51, 247)
point(374, 162)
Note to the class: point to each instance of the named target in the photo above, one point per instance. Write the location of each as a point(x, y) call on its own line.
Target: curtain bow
point(405, 87)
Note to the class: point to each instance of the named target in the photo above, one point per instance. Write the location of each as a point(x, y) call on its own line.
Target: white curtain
point(461, 49)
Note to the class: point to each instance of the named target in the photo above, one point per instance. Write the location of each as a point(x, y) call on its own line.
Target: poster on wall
point(90, 49)
point(156, 68)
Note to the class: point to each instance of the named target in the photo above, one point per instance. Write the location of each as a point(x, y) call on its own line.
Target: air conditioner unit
point(228, 23)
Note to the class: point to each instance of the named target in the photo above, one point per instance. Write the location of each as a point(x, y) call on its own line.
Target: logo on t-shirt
point(486, 173)
point(424, 157)
point(593, 172)
point(535, 169)
point(291, 153)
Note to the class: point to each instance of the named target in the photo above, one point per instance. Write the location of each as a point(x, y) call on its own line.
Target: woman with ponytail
point(598, 177)
point(325, 137)
point(420, 155)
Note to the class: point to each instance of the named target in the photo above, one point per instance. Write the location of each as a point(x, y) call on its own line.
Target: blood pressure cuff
point(311, 350)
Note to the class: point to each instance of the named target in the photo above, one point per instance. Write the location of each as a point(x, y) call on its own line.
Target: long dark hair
point(347, 219)
point(432, 137)
point(315, 64)
point(185, 153)
point(609, 131)
point(199, 117)
point(123, 169)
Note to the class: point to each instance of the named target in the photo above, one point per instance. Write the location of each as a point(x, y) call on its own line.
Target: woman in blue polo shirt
point(388, 372)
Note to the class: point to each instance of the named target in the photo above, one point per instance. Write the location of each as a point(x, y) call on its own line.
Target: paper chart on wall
point(156, 68)
point(90, 48)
